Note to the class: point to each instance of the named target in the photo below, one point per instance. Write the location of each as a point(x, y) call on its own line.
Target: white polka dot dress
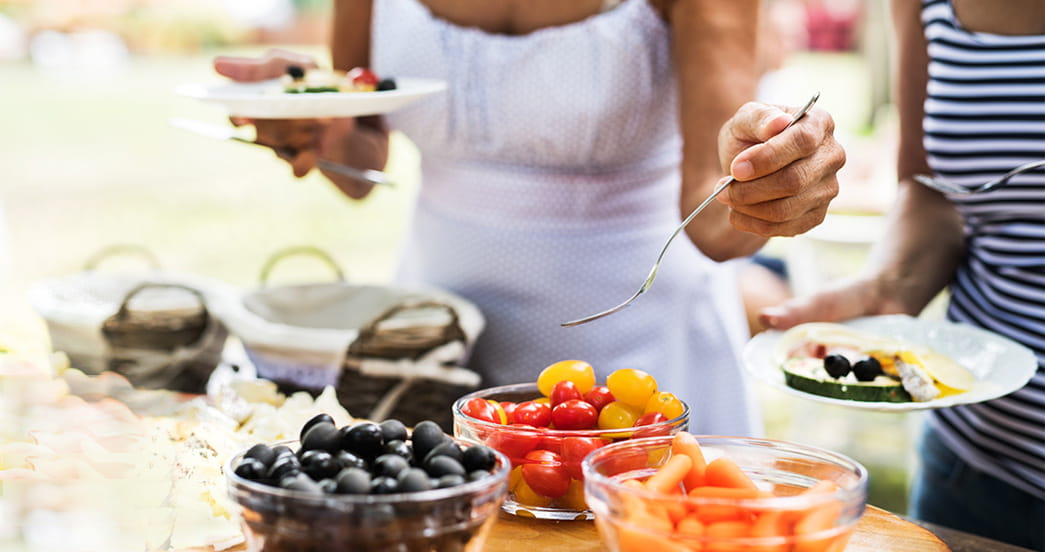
point(549, 184)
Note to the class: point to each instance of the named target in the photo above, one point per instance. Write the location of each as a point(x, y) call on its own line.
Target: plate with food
point(315, 93)
point(890, 363)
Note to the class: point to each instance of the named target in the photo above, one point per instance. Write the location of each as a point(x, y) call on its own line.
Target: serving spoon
point(656, 266)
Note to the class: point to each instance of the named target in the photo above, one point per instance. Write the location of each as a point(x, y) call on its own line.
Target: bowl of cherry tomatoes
point(546, 428)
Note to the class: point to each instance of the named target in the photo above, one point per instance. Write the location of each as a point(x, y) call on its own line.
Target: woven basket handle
point(124, 310)
point(119, 249)
point(370, 329)
point(300, 250)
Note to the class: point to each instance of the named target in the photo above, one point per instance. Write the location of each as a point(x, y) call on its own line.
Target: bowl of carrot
point(684, 493)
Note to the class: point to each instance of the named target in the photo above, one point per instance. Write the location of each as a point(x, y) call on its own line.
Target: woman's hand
point(297, 141)
point(785, 179)
point(841, 301)
point(302, 142)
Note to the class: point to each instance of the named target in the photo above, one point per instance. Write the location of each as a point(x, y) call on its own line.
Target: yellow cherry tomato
point(666, 403)
point(514, 477)
point(618, 415)
point(579, 372)
point(631, 386)
point(574, 497)
point(499, 410)
point(526, 496)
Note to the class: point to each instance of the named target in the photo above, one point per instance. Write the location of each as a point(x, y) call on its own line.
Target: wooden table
point(877, 531)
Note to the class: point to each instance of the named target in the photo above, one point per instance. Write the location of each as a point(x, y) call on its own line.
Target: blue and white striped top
point(984, 115)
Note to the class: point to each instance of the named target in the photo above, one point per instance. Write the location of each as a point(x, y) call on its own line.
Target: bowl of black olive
point(368, 487)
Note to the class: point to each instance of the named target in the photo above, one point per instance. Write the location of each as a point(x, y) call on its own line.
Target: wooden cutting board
point(877, 531)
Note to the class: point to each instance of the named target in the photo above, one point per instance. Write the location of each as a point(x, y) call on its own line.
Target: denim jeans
point(951, 493)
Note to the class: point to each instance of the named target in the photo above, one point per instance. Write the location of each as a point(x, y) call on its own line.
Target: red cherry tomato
point(574, 449)
point(532, 413)
point(552, 443)
point(481, 409)
point(509, 408)
point(515, 441)
point(362, 77)
point(599, 396)
point(545, 473)
point(574, 414)
point(652, 419)
point(564, 391)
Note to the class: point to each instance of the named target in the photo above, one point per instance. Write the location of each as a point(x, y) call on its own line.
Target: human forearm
point(715, 56)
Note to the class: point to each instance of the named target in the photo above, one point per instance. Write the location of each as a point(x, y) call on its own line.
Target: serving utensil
point(232, 134)
point(949, 187)
point(656, 266)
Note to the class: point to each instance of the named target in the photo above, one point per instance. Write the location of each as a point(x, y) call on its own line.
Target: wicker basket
point(169, 349)
point(152, 327)
point(370, 342)
point(406, 394)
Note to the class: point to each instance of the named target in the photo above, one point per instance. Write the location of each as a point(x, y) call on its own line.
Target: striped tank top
point(984, 115)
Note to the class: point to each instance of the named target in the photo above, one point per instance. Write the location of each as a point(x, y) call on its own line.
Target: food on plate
point(547, 429)
point(299, 80)
point(671, 494)
point(369, 487)
point(837, 361)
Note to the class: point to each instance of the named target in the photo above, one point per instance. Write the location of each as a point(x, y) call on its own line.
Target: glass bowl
point(535, 491)
point(782, 519)
point(453, 519)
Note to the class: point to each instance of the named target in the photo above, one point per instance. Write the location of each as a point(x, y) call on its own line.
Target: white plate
point(999, 364)
point(266, 99)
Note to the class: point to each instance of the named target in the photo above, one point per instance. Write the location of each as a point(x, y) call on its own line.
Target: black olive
point(837, 366)
point(321, 437)
point(398, 448)
point(252, 469)
point(284, 466)
point(295, 71)
point(384, 485)
point(301, 483)
point(348, 460)
point(386, 84)
point(478, 457)
point(318, 418)
point(476, 475)
point(393, 430)
point(438, 466)
point(262, 453)
point(319, 464)
point(389, 465)
point(451, 480)
point(446, 448)
point(353, 481)
point(329, 486)
point(280, 450)
point(413, 480)
point(867, 370)
point(364, 439)
point(426, 436)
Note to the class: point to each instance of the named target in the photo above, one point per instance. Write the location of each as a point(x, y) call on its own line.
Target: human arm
point(791, 177)
point(360, 142)
point(923, 240)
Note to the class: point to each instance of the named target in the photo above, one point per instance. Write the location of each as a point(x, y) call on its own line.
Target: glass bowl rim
point(544, 431)
point(845, 495)
point(499, 477)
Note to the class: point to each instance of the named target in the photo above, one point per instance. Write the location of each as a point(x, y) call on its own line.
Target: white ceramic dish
point(999, 364)
point(266, 99)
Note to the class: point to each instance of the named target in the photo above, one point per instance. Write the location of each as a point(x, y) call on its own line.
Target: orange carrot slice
point(718, 536)
point(686, 444)
point(670, 475)
point(724, 472)
point(707, 491)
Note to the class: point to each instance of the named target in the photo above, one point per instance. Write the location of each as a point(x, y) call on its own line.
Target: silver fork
point(947, 187)
point(656, 266)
